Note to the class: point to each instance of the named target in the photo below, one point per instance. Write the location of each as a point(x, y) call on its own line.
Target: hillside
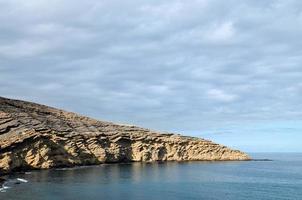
point(34, 136)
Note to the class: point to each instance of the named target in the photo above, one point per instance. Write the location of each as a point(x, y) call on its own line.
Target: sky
point(228, 71)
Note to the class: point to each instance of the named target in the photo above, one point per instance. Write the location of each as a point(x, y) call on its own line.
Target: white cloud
point(221, 95)
point(223, 32)
point(149, 62)
point(25, 48)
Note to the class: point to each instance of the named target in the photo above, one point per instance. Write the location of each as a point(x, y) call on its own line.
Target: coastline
point(26, 170)
point(2, 180)
point(36, 136)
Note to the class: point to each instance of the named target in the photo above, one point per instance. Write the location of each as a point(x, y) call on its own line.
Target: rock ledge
point(34, 136)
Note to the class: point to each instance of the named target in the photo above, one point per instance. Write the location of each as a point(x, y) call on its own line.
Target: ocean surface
point(280, 178)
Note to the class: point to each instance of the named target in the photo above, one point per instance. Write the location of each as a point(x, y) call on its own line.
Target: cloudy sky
point(230, 71)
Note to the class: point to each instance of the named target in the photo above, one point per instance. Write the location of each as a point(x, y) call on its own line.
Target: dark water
point(278, 179)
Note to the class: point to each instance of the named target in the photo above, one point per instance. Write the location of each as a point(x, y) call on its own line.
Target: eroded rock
point(34, 136)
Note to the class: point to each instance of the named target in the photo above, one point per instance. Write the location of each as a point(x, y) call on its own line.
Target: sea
point(271, 176)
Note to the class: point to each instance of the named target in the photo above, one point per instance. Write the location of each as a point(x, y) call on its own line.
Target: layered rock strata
point(34, 136)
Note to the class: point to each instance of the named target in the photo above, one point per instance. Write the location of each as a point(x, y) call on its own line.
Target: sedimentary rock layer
point(34, 136)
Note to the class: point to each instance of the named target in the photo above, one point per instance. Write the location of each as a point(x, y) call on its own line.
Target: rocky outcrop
point(34, 136)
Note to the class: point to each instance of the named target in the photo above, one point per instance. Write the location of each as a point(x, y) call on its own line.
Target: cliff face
point(34, 136)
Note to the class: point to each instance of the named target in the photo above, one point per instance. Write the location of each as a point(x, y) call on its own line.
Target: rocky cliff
point(34, 136)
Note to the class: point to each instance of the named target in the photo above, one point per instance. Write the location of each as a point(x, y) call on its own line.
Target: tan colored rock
point(34, 136)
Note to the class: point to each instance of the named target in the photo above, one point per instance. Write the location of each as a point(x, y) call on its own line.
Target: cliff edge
point(34, 136)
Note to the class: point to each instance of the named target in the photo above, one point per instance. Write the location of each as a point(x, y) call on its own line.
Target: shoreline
point(25, 170)
point(46, 137)
point(2, 181)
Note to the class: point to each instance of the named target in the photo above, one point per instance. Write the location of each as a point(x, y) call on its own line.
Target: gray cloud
point(160, 64)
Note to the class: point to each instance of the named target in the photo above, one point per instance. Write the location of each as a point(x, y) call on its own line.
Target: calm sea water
point(267, 180)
